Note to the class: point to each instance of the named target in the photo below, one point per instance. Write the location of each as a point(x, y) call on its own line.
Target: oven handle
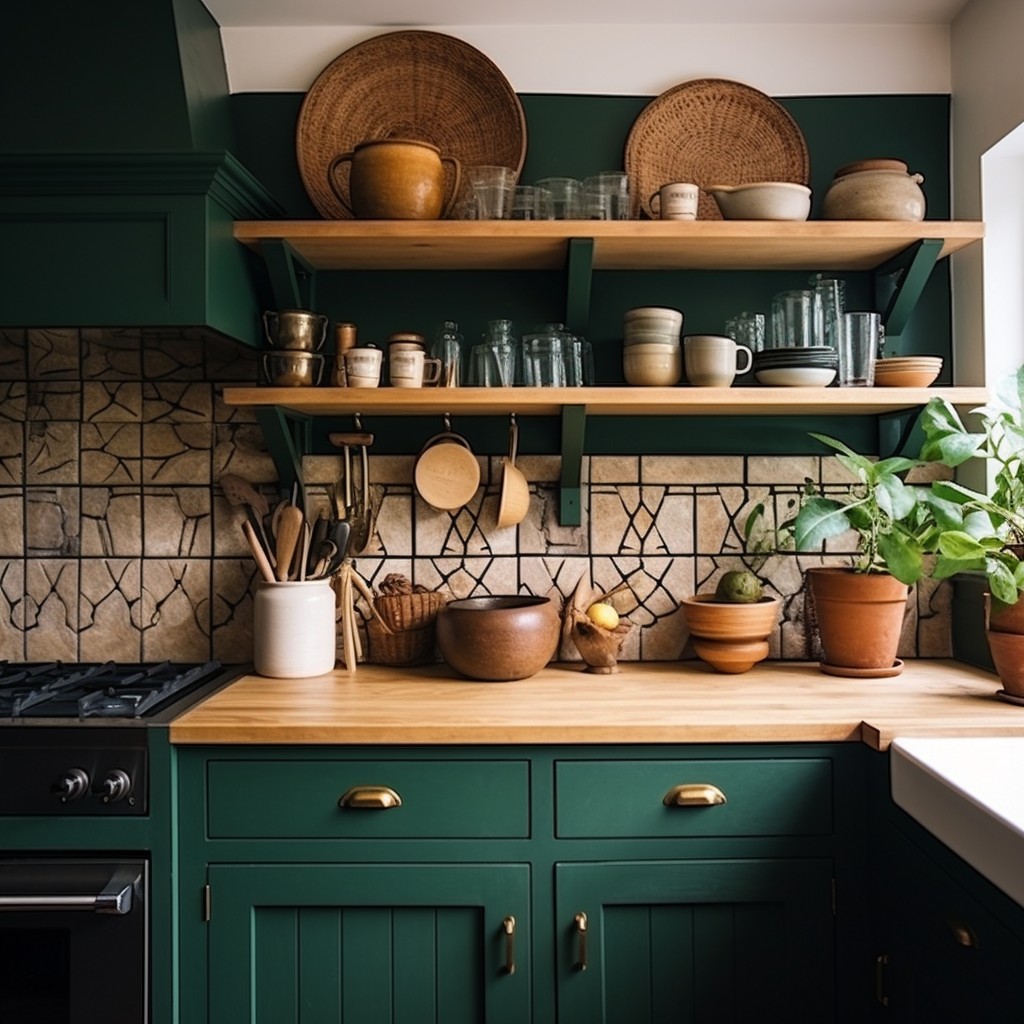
point(114, 898)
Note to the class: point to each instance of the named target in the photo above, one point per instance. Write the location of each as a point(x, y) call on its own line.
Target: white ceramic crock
point(293, 629)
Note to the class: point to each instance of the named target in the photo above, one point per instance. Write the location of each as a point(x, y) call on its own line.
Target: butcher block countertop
point(670, 702)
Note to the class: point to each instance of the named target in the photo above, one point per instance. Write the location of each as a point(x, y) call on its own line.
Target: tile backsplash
point(117, 542)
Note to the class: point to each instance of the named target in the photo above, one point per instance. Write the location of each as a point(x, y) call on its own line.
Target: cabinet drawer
point(300, 799)
point(763, 797)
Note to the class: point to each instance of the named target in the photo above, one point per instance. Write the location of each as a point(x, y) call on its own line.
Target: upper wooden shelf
point(618, 245)
point(599, 401)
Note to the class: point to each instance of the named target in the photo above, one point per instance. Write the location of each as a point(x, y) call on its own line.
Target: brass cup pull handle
point(508, 926)
point(372, 798)
point(581, 932)
point(694, 794)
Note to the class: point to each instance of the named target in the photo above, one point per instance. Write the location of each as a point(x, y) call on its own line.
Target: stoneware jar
point(874, 190)
point(395, 179)
point(293, 629)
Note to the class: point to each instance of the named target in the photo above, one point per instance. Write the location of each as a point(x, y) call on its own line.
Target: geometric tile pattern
point(116, 542)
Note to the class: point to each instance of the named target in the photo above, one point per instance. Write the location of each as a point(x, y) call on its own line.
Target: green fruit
point(739, 586)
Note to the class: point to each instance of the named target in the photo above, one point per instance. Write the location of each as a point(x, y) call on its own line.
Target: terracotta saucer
point(1010, 698)
point(862, 673)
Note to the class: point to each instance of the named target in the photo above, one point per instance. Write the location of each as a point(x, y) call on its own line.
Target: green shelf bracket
point(292, 279)
point(287, 438)
point(574, 427)
point(579, 267)
point(900, 281)
point(894, 432)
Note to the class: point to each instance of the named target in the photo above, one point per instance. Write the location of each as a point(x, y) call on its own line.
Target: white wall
point(632, 60)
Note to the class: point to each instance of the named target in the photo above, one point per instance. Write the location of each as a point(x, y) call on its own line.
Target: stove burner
point(101, 690)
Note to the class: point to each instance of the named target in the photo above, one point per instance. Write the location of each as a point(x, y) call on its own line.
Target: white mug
point(411, 368)
point(362, 366)
point(712, 359)
point(676, 201)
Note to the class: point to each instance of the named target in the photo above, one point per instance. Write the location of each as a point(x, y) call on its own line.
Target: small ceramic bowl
point(763, 200)
point(652, 365)
point(660, 313)
point(650, 337)
point(907, 371)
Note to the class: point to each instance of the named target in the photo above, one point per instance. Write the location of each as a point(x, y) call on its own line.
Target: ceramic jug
point(874, 190)
point(396, 179)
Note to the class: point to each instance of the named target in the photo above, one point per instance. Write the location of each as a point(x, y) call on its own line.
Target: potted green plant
point(984, 532)
point(860, 608)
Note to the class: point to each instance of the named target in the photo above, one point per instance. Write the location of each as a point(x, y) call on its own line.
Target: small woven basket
point(402, 647)
point(409, 611)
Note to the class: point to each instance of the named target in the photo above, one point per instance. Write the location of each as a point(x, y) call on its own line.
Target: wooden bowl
point(498, 638)
point(907, 371)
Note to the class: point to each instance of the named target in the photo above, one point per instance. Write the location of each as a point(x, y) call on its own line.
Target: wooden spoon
point(289, 530)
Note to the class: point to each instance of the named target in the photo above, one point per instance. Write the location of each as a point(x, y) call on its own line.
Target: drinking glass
point(526, 203)
point(859, 337)
point(566, 197)
point(606, 196)
point(747, 329)
point(795, 319)
point(448, 348)
point(831, 293)
point(578, 357)
point(493, 188)
point(543, 357)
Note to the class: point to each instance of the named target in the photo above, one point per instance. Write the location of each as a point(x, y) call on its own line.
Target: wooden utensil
point(258, 552)
point(240, 493)
point(289, 531)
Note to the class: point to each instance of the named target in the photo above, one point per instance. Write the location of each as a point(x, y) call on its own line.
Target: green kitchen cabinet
point(390, 884)
point(369, 943)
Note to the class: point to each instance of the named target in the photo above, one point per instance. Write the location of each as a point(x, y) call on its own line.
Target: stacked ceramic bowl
point(651, 352)
point(907, 371)
point(805, 366)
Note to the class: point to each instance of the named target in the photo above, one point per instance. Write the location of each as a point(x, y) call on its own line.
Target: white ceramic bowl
point(673, 316)
point(635, 338)
point(796, 376)
point(652, 366)
point(763, 200)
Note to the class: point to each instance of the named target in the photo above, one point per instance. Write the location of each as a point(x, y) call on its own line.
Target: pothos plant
point(981, 532)
point(893, 520)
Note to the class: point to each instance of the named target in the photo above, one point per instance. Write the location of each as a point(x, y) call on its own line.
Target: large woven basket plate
point(713, 131)
point(412, 85)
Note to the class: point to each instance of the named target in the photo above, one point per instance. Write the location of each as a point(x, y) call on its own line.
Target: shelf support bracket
point(292, 279)
point(574, 427)
point(900, 281)
point(579, 267)
point(286, 439)
point(895, 430)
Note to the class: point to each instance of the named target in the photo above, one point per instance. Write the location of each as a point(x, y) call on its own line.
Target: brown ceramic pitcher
point(395, 179)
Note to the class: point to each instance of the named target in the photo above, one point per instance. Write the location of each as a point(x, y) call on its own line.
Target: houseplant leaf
point(819, 519)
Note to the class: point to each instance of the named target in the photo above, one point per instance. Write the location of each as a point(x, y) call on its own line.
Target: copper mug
point(395, 179)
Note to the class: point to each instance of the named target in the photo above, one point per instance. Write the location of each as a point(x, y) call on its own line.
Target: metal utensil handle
point(114, 898)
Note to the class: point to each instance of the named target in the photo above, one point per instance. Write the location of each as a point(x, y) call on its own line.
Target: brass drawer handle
point(694, 794)
point(374, 798)
point(509, 928)
point(581, 930)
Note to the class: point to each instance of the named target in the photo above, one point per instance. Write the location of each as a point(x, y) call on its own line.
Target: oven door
point(73, 941)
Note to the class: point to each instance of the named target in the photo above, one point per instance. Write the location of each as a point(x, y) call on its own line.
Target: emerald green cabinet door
point(695, 942)
point(369, 944)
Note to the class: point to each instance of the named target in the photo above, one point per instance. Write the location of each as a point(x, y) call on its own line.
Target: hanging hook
point(358, 419)
point(448, 422)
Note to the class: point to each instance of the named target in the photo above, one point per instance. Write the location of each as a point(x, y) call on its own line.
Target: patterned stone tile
point(172, 355)
point(393, 534)
point(51, 609)
point(111, 453)
point(448, 534)
point(227, 360)
point(934, 601)
point(51, 453)
point(54, 400)
point(721, 514)
point(176, 609)
point(547, 468)
point(241, 449)
point(12, 522)
point(12, 453)
point(111, 354)
point(13, 354)
point(468, 577)
point(614, 469)
point(54, 354)
point(234, 585)
point(776, 470)
point(111, 522)
point(109, 608)
point(223, 413)
point(12, 609)
point(111, 401)
point(13, 402)
point(176, 453)
point(52, 521)
point(176, 522)
point(177, 402)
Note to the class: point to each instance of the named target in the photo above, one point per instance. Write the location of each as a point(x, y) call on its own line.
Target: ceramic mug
point(411, 368)
point(362, 366)
point(712, 360)
point(676, 201)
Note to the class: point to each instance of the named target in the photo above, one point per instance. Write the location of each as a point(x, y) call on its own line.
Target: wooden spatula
point(289, 532)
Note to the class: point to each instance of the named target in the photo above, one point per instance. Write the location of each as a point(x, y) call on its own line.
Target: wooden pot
point(860, 619)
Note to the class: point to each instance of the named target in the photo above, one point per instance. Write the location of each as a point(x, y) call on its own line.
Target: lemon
point(603, 614)
point(739, 586)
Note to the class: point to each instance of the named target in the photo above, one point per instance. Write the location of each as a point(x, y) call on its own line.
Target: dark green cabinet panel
point(764, 797)
point(696, 942)
point(368, 944)
point(299, 799)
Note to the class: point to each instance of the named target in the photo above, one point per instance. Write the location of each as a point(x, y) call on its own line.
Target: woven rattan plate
point(713, 131)
point(412, 85)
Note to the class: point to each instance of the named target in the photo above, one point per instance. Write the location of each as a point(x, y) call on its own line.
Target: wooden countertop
point(668, 702)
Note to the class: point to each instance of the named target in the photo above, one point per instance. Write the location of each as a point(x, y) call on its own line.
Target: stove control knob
point(73, 785)
point(116, 786)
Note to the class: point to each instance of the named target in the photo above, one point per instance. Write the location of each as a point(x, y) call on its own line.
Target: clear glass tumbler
point(795, 319)
point(860, 336)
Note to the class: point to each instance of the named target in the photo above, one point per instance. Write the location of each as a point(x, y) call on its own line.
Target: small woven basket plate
point(713, 131)
point(411, 85)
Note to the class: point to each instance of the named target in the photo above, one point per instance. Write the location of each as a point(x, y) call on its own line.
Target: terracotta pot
point(1008, 657)
point(730, 636)
point(860, 618)
point(395, 179)
point(1004, 618)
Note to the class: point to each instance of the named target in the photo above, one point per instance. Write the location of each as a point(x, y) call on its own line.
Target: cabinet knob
point(580, 921)
point(373, 798)
point(508, 926)
point(694, 794)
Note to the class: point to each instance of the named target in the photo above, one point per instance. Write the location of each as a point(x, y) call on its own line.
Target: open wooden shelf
point(618, 245)
point(599, 401)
